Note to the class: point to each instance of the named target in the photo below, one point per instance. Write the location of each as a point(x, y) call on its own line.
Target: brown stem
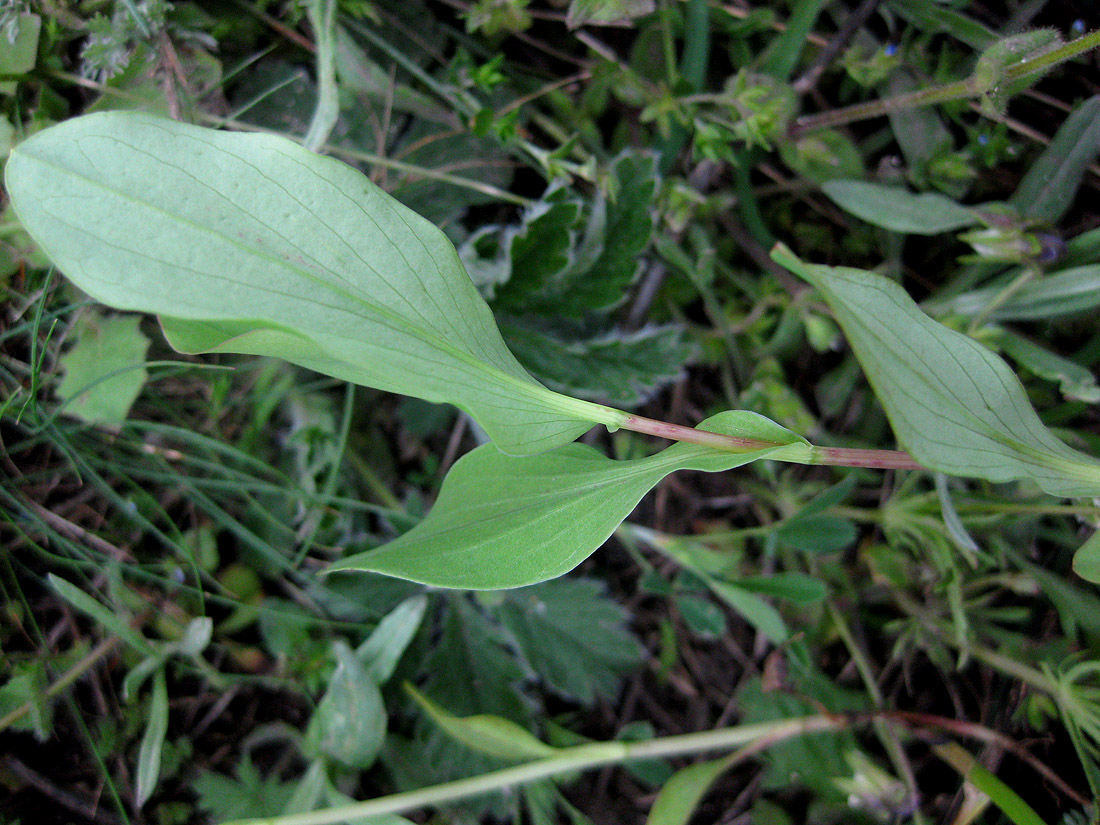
point(832, 456)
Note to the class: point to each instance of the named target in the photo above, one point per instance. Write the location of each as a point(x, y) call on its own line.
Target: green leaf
point(622, 368)
point(953, 404)
point(606, 12)
point(753, 609)
point(251, 244)
point(104, 371)
point(471, 673)
point(898, 209)
point(795, 587)
point(27, 689)
point(818, 533)
point(350, 721)
point(111, 621)
point(1074, 381)
point(19, 55)
point(491, 735)
point(682, 793)
point(1010, 803)
point(1070, 291)
point(383, 648)
point(247, 796)
point(152, 741)
point(1086, 561)
point(573, 636)
point(1048, 188)
point(503, 521)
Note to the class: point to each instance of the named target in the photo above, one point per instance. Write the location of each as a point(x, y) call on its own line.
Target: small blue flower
point(1078, 27)
point(890, 49)
point(983, 140)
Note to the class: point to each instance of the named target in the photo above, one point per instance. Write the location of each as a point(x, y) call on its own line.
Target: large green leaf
point(502, 521)
point(954, 405)
point(251, 244)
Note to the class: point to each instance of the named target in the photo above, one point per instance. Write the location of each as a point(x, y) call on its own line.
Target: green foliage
point(105, 369)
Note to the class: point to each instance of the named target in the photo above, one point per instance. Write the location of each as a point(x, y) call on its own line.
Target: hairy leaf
point(573, 636)
point(251, 244)
point(954, 405)
point(502, 521)
point(350, 721)
point(898, 209)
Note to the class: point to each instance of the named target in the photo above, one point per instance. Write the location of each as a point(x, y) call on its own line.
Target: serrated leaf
point(104, 371)
point(953, 404)
point(572, 635)
point(470, 671)
point(503, 521)
point(682, 794)
point(1048, 188)
point(898, 209)
point(251, 244)
point(539, 251)
point(616, 367)
point(491, 735)
point(350, 721)
point(249, 795)
point(383, 648)
point(152, 741)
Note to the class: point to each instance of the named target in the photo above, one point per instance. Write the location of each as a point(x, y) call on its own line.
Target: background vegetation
point(613, 175)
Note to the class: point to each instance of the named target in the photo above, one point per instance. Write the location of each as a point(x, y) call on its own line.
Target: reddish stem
point(832, 456)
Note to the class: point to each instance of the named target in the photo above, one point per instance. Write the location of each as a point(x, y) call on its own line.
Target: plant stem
point(832, 456)
point(958, 90)
point(582, 757)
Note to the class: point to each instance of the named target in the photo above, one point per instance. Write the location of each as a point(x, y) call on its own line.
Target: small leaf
point(251, 244)
point(104, 371)
point(1074, 381)
point(898, 209)
point(20, 52)
point(112, 622)
point(953, 404)
point(350, 721)
point(795, 587)
point(682, 793)
point(503, 521)
point(383, 648)
point(492, 735)
point(607, 12)
point(818, 533)
point(156, 727)
point(1010, 803)
point(1086, 561)
point(196, 636)
point(1048, 188)
point(753, 609)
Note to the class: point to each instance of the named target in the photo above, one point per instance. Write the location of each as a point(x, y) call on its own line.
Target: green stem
point(831, 456)
point(581, 757)
point(958, 90)
point(999, 300)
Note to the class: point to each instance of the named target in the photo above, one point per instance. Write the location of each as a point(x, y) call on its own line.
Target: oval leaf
point(152, 741)
point(898, 209)
point(251, 244)
point(502, 521)
point(953, 404)
point(350, 721)
point(684, 791)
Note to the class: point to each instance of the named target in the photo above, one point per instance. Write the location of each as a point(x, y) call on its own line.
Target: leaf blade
point(255, 232)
